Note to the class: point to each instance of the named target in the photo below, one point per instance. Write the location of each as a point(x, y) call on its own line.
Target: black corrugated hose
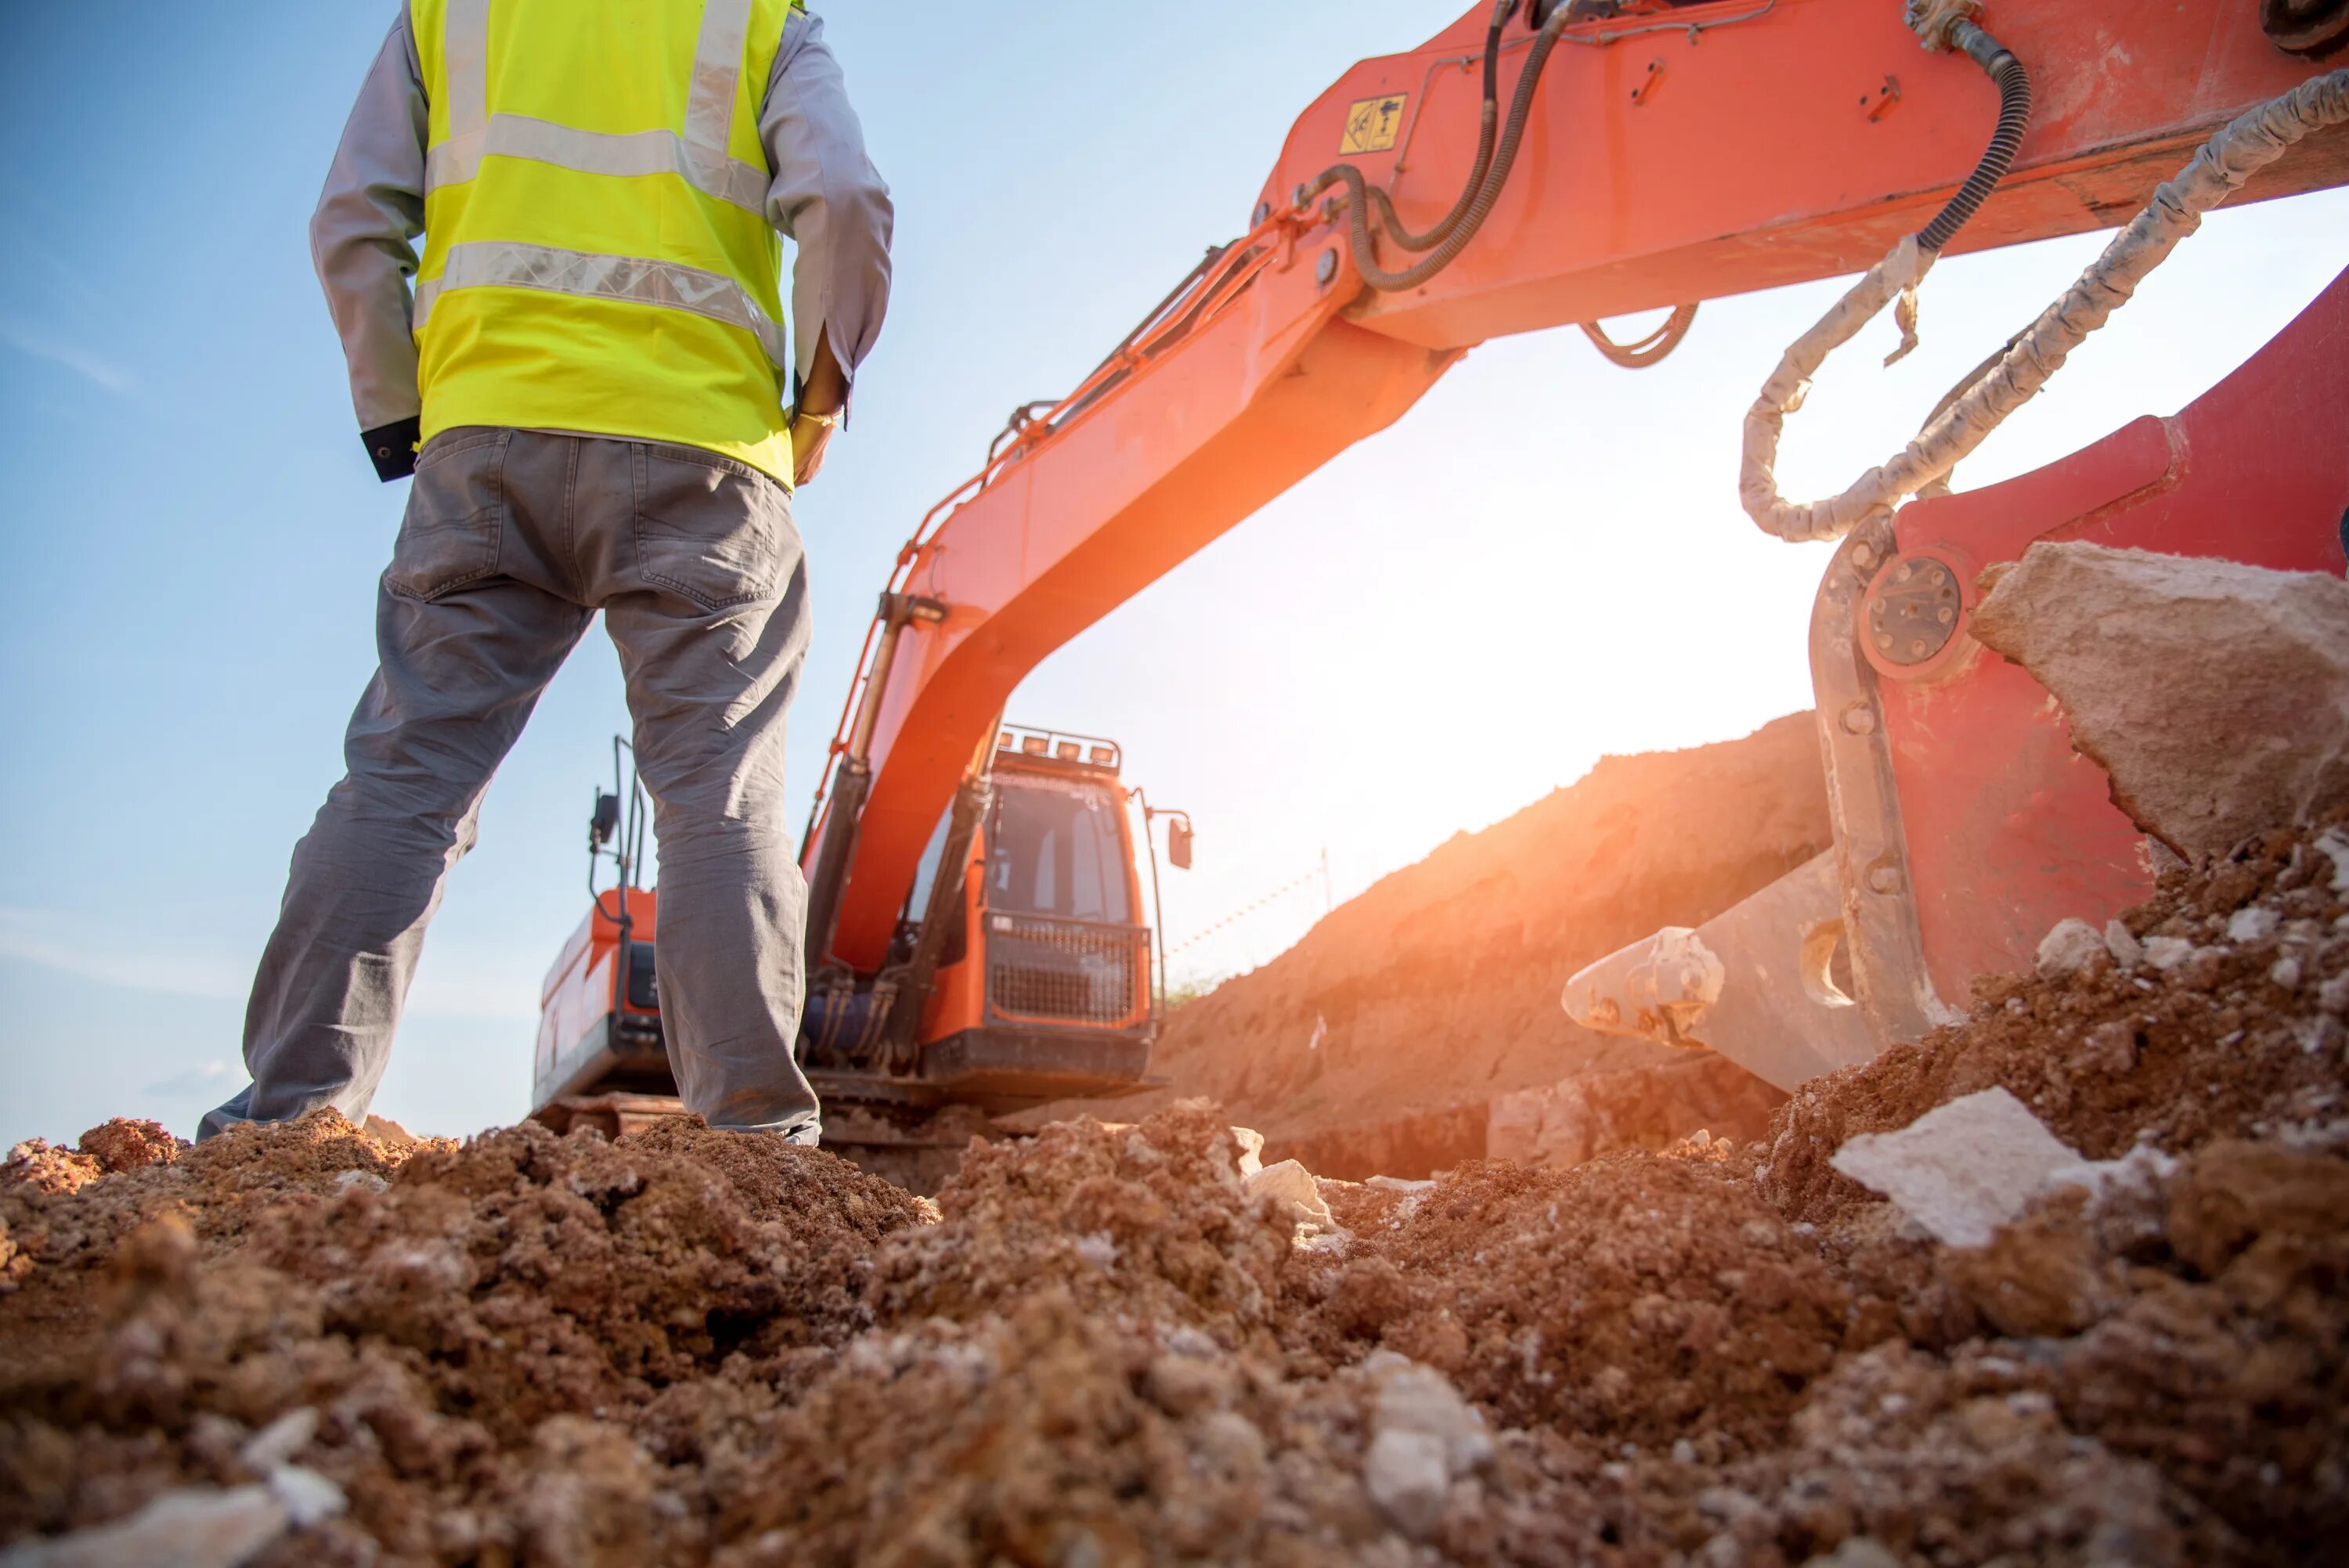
point(1487, 133)
point(1479, 206)
point(2014, 121)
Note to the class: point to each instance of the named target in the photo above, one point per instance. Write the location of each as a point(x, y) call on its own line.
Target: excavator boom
point(1651, 154)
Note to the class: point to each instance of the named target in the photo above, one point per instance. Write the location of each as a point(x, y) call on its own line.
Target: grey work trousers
point(512, 540)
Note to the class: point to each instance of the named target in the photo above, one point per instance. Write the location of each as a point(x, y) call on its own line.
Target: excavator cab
point(1042, 981)
point(1030, 975)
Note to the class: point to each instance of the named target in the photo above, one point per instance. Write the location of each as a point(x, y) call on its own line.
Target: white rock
point(2122, 944)
point(191, 1527)
point(1962, 1170)
point(1251, 1144)
point(1405, 1475)
point(1290, 1184)
point(2335, 845)
point(2070, 948)
point(2334, 996)
point(307, 1497)
point(278, 1442)
point(1399, 1184)
point(2255, 924)
point(2285, 974)
point(1231, 1445)
point(1425, 1437)
point(1416, 1399)
point(1728, 1503)
point(2167, 953)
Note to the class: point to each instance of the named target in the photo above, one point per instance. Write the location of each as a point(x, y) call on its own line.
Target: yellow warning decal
point(1373, 124)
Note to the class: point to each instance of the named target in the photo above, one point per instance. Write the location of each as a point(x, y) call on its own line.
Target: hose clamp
point(1935, 21)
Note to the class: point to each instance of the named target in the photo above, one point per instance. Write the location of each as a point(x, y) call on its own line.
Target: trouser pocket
point(717, 531)
point(456, 514)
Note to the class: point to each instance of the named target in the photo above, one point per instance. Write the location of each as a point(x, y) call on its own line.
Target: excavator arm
point(1606, 157)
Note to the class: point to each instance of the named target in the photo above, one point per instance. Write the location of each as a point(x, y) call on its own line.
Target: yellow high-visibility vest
point(597, 256)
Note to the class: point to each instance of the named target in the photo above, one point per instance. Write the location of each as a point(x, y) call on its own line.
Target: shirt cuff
point(392, 447)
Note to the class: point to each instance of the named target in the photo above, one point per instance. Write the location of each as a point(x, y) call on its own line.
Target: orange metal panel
point(1764, 154)
point(578, 987)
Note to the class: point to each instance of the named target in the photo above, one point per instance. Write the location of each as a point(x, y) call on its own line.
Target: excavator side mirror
point(606, 821)
point(1178, 844)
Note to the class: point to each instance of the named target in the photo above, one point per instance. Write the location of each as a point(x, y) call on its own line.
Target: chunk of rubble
point(309, 1498)
point(2071, 947)
point(277, 1443)
point(2335, 845)
point(2254, 924)
point(1291, 1187)
point(190, 1527)
point(1425, 1437)
point(2215, 695)
point(1963, 1170)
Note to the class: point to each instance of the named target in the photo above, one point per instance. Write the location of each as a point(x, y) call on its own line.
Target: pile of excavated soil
point(1115, 1344)
point(1382, 1041)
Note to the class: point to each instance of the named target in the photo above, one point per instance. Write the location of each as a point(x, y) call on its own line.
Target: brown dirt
point(1440, 984)
point(695, 1347)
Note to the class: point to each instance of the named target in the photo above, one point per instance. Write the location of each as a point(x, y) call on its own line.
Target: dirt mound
point(1115, 1344)
point(2221, 1016)
point(1380, 1041)
point(1632, 1299)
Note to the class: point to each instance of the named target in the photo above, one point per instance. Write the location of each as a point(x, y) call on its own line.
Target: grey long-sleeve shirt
point(826, 196)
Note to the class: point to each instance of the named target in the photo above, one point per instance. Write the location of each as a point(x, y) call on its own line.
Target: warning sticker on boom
point(1373, 124)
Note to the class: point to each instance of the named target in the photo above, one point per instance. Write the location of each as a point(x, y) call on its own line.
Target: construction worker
point(592, 386)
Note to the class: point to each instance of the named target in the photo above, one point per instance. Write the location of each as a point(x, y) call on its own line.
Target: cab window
point(1053, 848)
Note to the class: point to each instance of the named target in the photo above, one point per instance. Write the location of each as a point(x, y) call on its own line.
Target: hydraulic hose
point(1649, 350)
point(1488, 131)
point(2230, 158)
point(2014, 121)
point(1480, 206)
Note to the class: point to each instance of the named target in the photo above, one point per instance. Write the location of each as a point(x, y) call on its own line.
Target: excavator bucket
point(1967, 824)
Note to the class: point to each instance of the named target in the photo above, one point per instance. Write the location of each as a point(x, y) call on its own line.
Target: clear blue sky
point(1452, 620)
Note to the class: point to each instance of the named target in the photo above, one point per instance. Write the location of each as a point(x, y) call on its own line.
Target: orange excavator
point(975, 941)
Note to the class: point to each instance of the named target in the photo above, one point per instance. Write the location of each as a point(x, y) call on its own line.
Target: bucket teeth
point(1756, 984)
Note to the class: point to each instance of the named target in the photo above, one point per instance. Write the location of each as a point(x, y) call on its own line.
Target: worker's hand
point(810, 439)
point(821, 398)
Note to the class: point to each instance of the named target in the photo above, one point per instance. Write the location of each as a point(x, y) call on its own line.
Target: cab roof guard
point(1060, 746)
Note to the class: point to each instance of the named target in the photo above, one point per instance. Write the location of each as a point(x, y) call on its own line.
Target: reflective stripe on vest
point(699, 157)
point(506, 264)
